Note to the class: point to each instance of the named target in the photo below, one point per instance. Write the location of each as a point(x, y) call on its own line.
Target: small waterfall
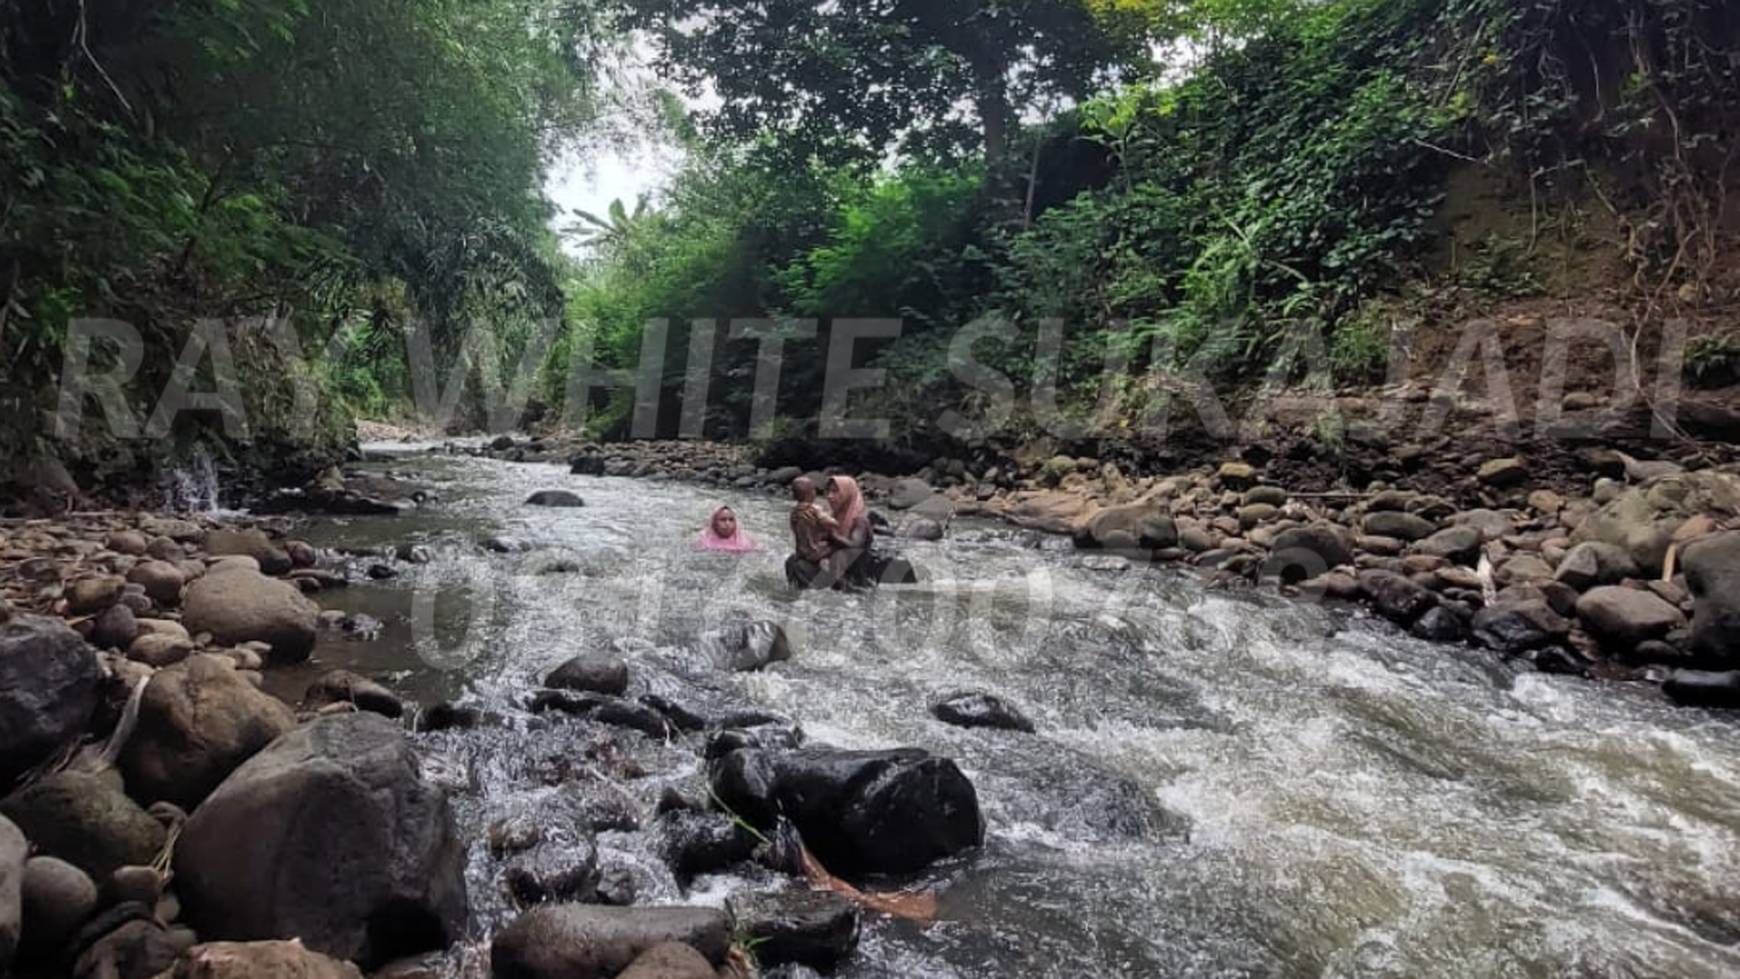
point(192, 487)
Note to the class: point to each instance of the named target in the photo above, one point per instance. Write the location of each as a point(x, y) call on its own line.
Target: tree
point(862, 75)
point(609, 231)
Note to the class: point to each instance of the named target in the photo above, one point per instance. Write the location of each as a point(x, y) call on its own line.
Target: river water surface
point(1222, 784)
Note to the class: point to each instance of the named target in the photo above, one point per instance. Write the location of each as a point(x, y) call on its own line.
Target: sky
point(591, 181)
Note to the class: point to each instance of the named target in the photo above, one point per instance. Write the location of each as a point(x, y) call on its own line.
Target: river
point(1222, 784)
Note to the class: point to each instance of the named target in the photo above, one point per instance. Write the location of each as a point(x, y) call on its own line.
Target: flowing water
point(1222, 784)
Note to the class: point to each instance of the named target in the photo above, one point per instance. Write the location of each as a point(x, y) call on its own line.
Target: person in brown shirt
point(812, 531)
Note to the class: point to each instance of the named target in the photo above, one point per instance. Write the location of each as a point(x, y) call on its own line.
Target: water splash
point(193, 486)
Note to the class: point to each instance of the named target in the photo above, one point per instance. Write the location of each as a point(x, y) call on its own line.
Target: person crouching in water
point(723, 534)
point(811, 531)
point(849, 563)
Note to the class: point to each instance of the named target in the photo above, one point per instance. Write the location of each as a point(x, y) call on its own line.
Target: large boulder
point(1144, 525)
point(161, 580)
point(274, 560)
point(87, 821)
point(1712, 568)
point(198, 722)
point(859, 812)
point(599, 672)
point(576, 941)
point(331, 835)
point(1644, 519)
point(237, 605)
point(1622, 618)
point(1324, 543)
point(48, 689)
point(908, 493)
point(13, 851)
point(260, 960)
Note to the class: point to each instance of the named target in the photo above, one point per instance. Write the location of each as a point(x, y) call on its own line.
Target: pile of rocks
point(132, 651)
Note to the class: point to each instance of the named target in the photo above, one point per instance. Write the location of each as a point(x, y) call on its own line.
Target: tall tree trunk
point(994, 116)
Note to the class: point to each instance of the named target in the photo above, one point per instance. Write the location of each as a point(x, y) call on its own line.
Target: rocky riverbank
point(1582, 560)
point(161, 815)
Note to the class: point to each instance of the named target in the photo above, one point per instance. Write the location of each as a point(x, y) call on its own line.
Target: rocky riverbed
point(1626, 570)
point(165, 816)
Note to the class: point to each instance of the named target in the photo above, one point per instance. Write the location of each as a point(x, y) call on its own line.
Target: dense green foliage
point(1184, 223)
point(1176, 185)
point(360, 166)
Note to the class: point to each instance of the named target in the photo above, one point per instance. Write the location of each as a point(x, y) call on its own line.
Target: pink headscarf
point(851, 505)
point(710, 540)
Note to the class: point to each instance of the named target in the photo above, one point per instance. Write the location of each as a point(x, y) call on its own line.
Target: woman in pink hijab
point(723, 534)
point(852, 535)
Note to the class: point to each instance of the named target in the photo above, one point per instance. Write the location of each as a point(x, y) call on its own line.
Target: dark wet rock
point(974, 709)
point(1620, 618)
point(198, 722)
point(598, 672)
point(58, 898)
point(587, 464)
point(695, 843)
point(1644, 519)
point(85, 820)
point(1396, 597)
point(1401, 526)
point(1513, 629)
point(1595, 563)
point(565, 870)
point(115, 629)
point(274, 560)
point(1442, 623)
point(270, 960)
point(14, 849)
point(1558, 661)
point(381, 572)
point(859, 812)
point(361, 804)
point(1700, 688)
point(1321, 543)
point(730, 739)
point(604, 709)
point(576, 941)
point(1712, 569)
point(345, 687)
point(48, 691)
point(813, 928)
point(746, 646)
point(238, 606)
point(444, 717)
point(138, 949)
point(1134, 526)
point(555, 498)
point(680, 717)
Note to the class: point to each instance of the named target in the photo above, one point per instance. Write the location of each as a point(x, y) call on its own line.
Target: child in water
point(723, 534)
